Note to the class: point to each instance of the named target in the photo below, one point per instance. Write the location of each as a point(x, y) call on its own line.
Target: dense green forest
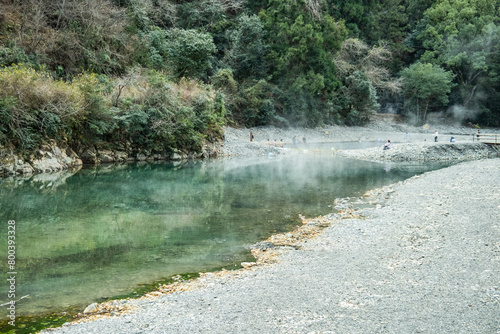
point(166, 74)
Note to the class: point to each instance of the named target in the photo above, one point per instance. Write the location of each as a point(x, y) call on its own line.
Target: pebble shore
point(409, 143)
point(419, 256)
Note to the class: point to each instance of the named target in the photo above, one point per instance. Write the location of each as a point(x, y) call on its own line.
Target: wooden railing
point(486, 138)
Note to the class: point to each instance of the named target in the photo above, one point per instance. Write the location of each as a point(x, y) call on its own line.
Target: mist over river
point(100, 232)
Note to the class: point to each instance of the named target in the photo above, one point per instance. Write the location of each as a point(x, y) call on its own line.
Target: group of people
point(387, 145)
point(295, 140)
point(268, 143)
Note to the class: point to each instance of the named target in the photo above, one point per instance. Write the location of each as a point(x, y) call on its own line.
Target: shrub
point(36, 106)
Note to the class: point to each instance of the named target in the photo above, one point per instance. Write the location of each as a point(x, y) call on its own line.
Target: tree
point(426, 87)
point(358, 15)
point(415, 9)
point(186, 52)
point(364, 72)
point(371, 61)
point(459, 35)
point(303, 39)
point(247, 49)
point(361, 96)
point(190, 52)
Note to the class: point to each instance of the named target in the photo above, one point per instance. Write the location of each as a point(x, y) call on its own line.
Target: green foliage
point(373, 21)
point(362, 97)
point(459, 36)
point(363, 71)
point(190, 52)
point(205, 13)
point(94, 122)
point(256, 101)
point(159, 120)
point(489, 114)
point(302, 109)
point(13, 55)
point(186, 52)
point(247, 50)
point(35, 108)
point(357, 13)
point(271, 61)
point(302, 43)
point(224, 81)
point(426, 87)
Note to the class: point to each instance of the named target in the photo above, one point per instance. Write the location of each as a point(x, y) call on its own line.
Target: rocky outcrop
point(49, 158)
point(54, 157)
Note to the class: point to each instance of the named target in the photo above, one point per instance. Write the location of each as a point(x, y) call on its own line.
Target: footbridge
point(486, 138)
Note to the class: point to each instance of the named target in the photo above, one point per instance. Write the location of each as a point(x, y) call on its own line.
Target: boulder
point(46, 165)
point(106, 156)
point(23, 168)
point(141, 157)
point(175, 156)
point(92, 308)
point(121, 156)
point(89, 156)
point(77, 163)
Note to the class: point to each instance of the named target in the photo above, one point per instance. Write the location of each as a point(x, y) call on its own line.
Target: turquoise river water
point(99, 232)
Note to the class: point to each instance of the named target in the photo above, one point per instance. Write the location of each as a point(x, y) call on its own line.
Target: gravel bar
point(424, 259)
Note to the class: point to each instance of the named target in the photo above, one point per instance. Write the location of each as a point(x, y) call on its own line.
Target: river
point(100, 232)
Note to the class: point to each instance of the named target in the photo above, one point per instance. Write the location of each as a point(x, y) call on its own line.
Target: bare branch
point(314, 7)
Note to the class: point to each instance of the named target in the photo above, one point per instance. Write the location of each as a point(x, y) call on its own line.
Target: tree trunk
point(424, 116)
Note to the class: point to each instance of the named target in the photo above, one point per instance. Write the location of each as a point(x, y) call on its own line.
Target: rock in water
point(91, 308)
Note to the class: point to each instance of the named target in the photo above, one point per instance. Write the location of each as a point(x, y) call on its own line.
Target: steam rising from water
point(100, 232)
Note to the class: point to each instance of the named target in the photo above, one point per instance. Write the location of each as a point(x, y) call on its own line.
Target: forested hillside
point(165, 74)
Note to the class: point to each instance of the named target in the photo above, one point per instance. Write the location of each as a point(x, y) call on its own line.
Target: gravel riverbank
point(423, 258)
point(409, 143)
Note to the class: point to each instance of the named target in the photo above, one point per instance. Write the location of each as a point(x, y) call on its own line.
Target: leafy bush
point(190, 52)
point(167, 116)
point(13, 55)
point(256, 102)
point(162, 117)
point(187, 53)
point(36, 106)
